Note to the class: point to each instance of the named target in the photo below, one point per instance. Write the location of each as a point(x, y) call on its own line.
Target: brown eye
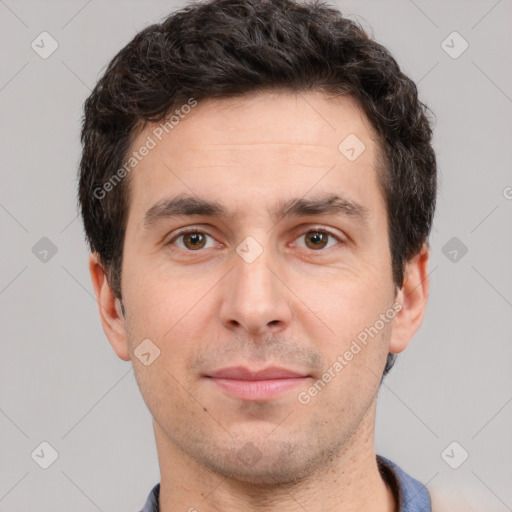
point(316, 239)
point(192, 240)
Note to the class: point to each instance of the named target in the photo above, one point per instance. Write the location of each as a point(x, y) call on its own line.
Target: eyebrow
point(184, 205)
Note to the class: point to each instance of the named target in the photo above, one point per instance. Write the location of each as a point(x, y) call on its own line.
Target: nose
point(255, 298)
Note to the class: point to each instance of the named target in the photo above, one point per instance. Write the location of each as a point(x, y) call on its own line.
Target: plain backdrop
point(60, 381)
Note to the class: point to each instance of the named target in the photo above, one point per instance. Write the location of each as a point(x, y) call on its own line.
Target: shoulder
point(447, 495)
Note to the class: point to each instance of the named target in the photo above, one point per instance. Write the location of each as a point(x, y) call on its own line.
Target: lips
point(257, 385)
point(241, 373)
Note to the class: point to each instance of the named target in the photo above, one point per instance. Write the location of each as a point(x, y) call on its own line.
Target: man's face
point(253, 290)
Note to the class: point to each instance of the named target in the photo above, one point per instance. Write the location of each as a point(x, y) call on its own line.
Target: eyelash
point(314, 229)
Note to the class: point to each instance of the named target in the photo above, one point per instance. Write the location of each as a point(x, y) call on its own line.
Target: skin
point(298, 305)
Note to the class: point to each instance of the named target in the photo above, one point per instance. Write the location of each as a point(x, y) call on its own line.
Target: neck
point(350, 481)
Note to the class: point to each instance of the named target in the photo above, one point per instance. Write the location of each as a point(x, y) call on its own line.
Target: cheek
point(345, 302)
point(175, 314)
point(158, 298)
point(162, 389)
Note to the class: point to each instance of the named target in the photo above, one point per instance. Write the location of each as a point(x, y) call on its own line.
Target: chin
point(270, 466)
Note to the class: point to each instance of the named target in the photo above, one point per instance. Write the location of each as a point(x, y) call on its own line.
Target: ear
point(413, 297)
point(109, 307)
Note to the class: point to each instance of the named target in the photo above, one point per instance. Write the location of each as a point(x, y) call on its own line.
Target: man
point(257, 187)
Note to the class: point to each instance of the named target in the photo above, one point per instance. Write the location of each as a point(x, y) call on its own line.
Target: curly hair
point(227, 48)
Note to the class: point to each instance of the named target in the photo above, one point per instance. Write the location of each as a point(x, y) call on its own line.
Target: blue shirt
point(411, 495)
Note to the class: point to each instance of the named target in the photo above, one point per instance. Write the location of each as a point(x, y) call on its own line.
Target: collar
point(410, 495)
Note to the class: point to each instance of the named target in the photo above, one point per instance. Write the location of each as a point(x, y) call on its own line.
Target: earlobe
point(109, 308)
point(413, 297)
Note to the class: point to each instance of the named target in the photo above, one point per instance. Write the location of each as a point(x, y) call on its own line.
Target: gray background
point(60, 381)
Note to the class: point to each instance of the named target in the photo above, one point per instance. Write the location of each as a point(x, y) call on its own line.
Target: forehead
point(308, 118)
point(266, 143)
